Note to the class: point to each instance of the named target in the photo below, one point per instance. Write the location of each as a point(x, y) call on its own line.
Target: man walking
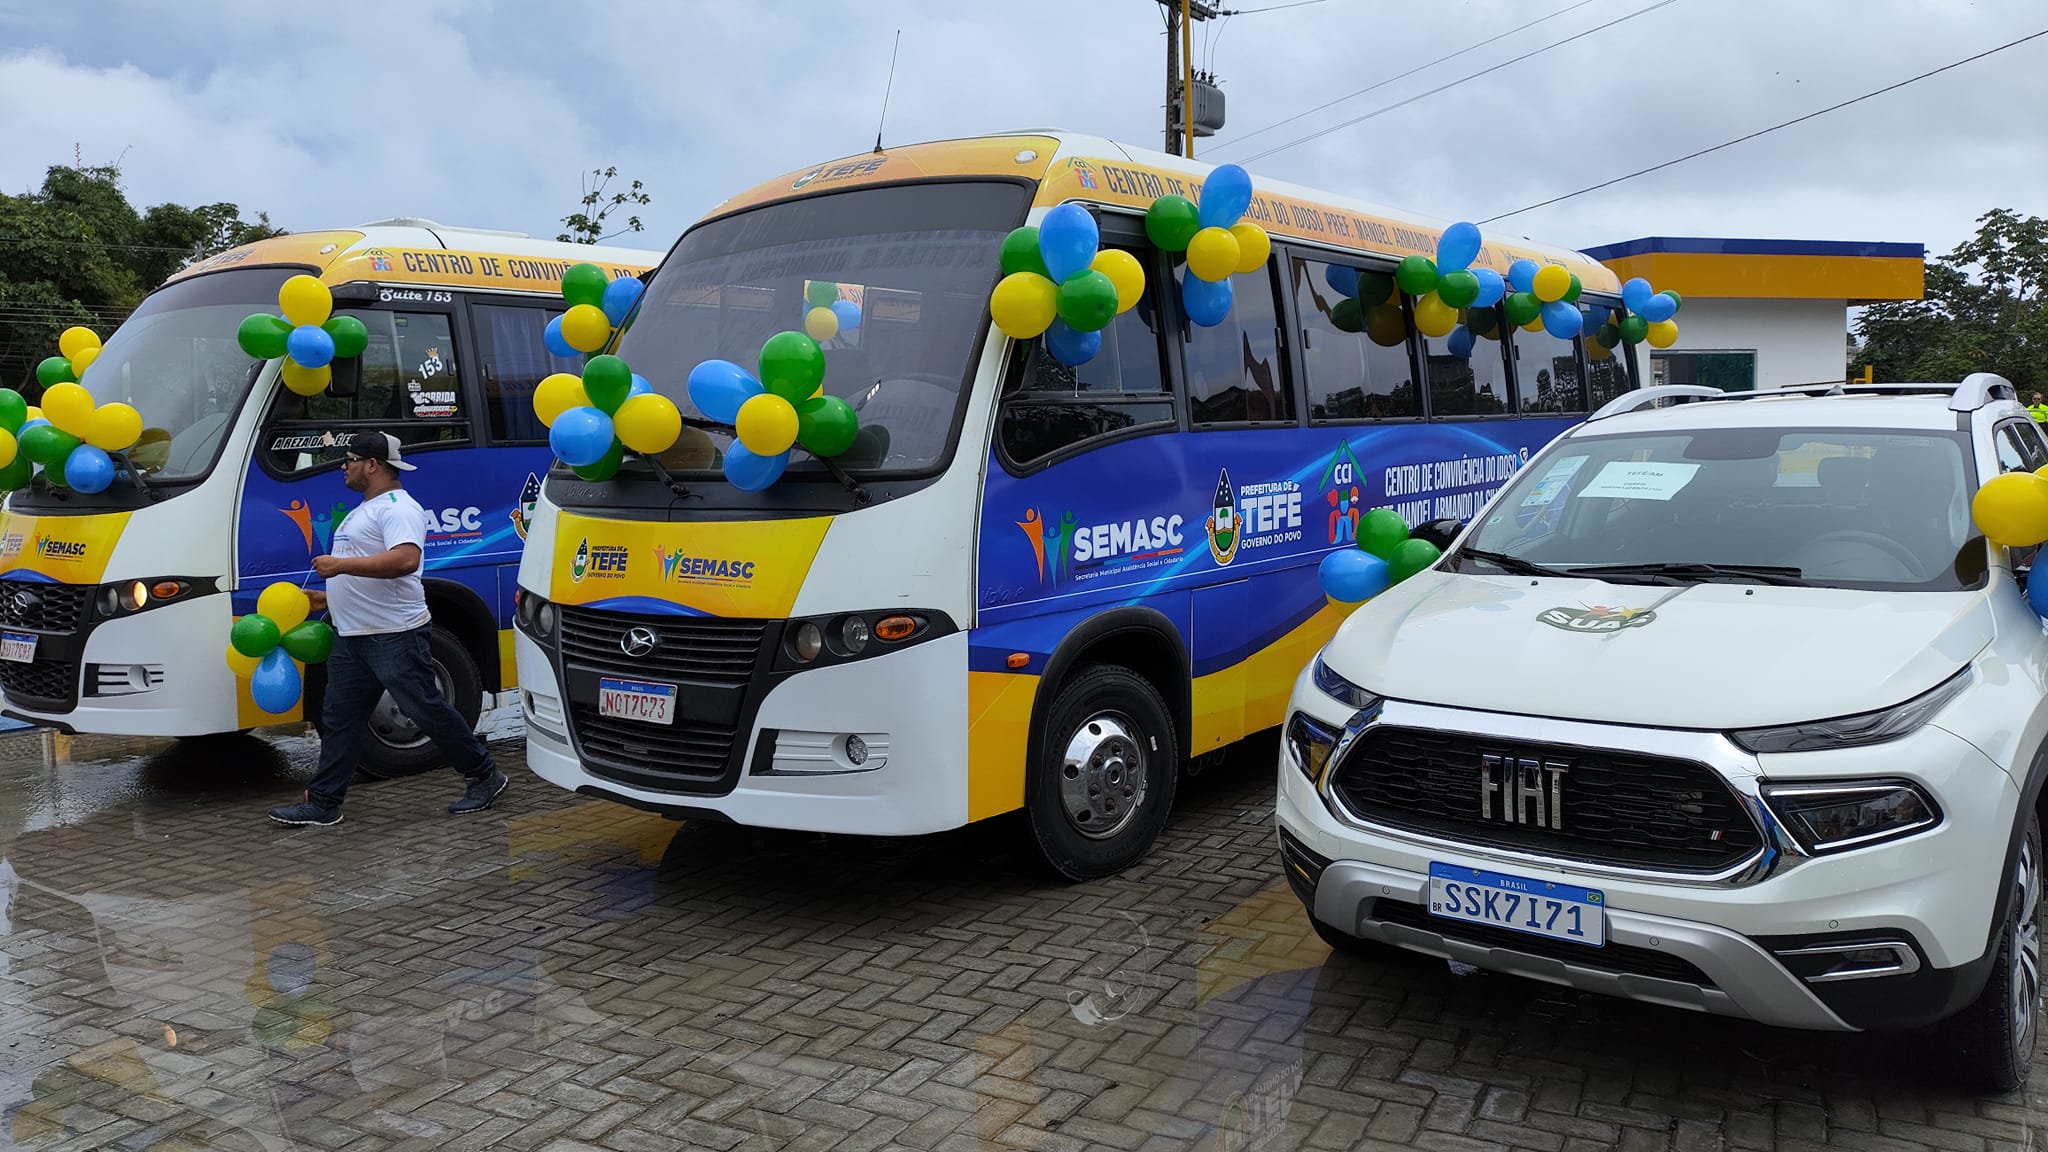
point(379, 609)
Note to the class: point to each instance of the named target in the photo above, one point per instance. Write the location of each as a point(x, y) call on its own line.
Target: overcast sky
point(484, 114)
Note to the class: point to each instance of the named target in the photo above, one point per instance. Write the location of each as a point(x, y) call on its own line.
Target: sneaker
point(480, 794)
point(306, 813)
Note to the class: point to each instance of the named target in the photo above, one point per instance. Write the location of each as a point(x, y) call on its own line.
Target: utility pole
point(1180, 73)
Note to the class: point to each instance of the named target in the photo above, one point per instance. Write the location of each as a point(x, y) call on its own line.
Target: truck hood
point(1702, 656)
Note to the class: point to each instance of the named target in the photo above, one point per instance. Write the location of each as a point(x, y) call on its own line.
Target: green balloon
point(47, 445)
point(821, 293)
point(263, 336)
point(1416, 275)
point(826, 425)
point(1483, 322)
point(309, 643)
point(1347, 315)
point(17, 473)
point(607, 465)
point(1608, 335)
point(585, 284)
point(1458, 289)
point(1410, 557)
point(1020, 252)
point(607, 381)
point(254, 635)
point(13, 410)
point(1635, 329)
point(1675, 297)
point(1374, 288)
point(53, 474)
point(1172, 222)
point(1087, 301)
point(1571, 294)
point(1523, 307)
point(792, 365)
point(1381, 531)
point(350, 338)
point(53, 371)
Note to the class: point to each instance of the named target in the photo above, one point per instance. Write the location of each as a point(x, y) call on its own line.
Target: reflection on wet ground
point(178, 973)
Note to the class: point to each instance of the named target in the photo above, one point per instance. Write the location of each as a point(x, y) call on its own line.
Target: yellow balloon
point(766, 424)
point(2011, 509)
point(649, 423)
point(585, 327)
point(1597, 351)
point(1212, 254)
point(1253, 246)
point(82, 359)
point(1386, 325)
point(152, 451)
point(304, 381)
point(242, 666)
point(1552, 282)
point(1433, 317)
point(305, 300)
point(76, 339)
point(1024, 305)
point(557, 394)
point(1535, 325)
point(8, 447)
point(1663, 334)
point(69, 407)
point(34, 413)
point(821, 324)
point(114, 427)
point(285, 604)
point(1125, 272)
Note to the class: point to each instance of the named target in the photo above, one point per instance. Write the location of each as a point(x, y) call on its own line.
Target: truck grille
point(1620, 808)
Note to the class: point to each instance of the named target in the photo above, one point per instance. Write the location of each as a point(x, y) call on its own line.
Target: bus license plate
point(1537, 907)
point(18, 647)
point(637, 700)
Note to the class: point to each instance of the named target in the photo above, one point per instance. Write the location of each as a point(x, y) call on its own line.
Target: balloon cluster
point(825, 314)
point(784, 406)
point(1057, 282)
point(73, 437)
point(2011, 510)
point(597, 303)
point(1218, 242)
point(16, 414)
point(1446, 287)
point(263, 646)
point(78, 347)
point(1385, 556)
point(308, 335)
point(1368, 305)
point(592, 420)
point(1646, 315)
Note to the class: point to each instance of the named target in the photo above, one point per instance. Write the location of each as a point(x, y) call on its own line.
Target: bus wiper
point(1761, 573)
point(134, 473)
point(860, 492)
point(1514, 564)
point(675, 486)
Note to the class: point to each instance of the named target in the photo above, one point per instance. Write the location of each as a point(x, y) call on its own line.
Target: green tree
point(1983, 311)
point(587, 226)
point(77, 252)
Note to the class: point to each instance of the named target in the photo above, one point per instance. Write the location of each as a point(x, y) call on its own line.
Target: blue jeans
point(359, 672)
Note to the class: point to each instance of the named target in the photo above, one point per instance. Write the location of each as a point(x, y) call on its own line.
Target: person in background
point(2038, 410)
point(379, 610)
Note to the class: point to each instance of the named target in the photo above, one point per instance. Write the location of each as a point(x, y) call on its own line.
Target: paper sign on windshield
point(1640, 480)
point(1553, 482)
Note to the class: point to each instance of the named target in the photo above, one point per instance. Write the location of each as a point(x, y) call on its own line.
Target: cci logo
point(1340, 488)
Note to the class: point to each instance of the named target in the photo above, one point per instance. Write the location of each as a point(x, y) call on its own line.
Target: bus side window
point(1123, 387)
point(411, 388)
point(1235, 372)
point(1473, 384)
point(1356, 358)
point(1606, 368)
point(1546, 374)
point(515, 360)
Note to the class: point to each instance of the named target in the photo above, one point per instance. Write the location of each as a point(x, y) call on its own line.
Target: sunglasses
point(353, 459)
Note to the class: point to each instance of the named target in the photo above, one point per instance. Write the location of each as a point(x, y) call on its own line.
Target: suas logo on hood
point(1596, 618)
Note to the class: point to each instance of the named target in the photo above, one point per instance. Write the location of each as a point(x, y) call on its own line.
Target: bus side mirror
point(1439, 532)
point(346, 374)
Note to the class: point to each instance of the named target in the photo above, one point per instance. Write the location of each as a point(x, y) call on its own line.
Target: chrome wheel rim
point(392, 727)
point(1103, 776)
point(2024, 981)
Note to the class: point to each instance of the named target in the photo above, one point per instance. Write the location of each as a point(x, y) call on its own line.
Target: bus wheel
point(1104, 781)
point(391, 745)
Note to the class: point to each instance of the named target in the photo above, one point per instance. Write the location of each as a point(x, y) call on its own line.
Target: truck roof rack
point(1976, 390)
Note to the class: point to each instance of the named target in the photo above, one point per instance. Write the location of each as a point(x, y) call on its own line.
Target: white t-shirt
point(365, 605)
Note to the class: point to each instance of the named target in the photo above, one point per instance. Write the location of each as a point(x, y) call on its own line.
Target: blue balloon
point(1460, 343)
point(1658, 308)
point(848, 313)
point(88, 470)
point(619, 297)
point(751, 473)
point(1067, 238)
point(719, 387)
point(581, 436)
point(1636, 294)
point(1205, 303)
point(1457, 247)
point(28, 424)
point(274, 686)
point(1522, 275)
point(1350, 575)
point(1343, 281)
point(310, 345)
point(1070, 347)
point(640, 386)
point(556, 344)
point(1491, 287)
point(2037, 589)
point(1562, 320)
point(1225, 195)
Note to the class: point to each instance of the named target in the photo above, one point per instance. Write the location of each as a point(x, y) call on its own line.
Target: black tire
point(1992, 1041)
point(1134, 752)
point(386, 752)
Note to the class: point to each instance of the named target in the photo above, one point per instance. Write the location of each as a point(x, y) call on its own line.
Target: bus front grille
point(44, 685)
point(43, 607)
point(58, 615)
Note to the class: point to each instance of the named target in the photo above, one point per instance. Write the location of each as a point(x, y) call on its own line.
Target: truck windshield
point(906, 271)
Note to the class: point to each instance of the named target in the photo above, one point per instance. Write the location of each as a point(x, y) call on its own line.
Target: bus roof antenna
point(885, 92)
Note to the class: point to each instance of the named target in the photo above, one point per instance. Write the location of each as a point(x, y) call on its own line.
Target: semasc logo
point(50, 549)
point(680, 566)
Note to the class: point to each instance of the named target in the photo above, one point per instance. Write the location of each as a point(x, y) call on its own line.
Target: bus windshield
point(177, 362)
point(907, 270)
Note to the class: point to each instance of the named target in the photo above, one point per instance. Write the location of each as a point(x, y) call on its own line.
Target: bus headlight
point(853, 635)
point(535, 615)
point(843, 636)
point(136, 595)
point(807, 642)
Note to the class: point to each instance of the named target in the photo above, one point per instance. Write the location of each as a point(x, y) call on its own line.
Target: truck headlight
point(1309, 744)
point(1836, 816)
point(1339, 689)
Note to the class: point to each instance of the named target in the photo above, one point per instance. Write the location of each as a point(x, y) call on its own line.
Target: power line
point(1381, 111)
point(1271, 8)
point(1771, 129)
point(1403, 76)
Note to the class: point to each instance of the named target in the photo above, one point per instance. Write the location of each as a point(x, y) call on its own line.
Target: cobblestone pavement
point(178, 973)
